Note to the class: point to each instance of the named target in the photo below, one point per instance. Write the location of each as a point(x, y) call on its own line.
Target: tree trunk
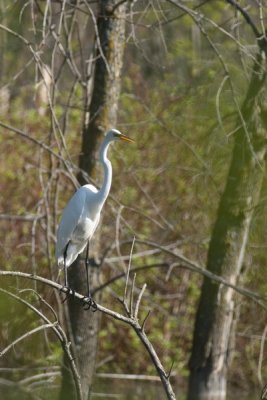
point(214, 320)
point(101, 115)
point(102, 112)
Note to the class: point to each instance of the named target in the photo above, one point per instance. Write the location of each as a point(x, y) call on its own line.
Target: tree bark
point(101, 115)
point(102, 112)
point(213, 331)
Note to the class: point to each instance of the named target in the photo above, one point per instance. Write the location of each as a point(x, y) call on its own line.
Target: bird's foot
point(89, 303)
point(68, 291)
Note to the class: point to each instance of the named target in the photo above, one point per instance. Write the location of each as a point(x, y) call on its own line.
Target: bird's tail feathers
point(60, 262)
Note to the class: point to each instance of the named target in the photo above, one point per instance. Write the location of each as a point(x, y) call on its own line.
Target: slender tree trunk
point(101, 115)
point(215, 315)
point(102, 112)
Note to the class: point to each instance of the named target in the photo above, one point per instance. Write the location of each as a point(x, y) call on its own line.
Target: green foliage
point(169, 184)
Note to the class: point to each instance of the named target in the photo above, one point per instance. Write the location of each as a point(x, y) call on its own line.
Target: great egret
point(82, 213)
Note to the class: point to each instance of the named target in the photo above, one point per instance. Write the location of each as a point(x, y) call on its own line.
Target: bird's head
point(114, 134)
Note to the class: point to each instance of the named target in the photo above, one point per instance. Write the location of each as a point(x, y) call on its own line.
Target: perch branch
point(128, 320)
point(57, 330)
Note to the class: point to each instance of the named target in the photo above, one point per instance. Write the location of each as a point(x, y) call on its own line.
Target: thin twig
point(55, 327)
point(128, 272)
point(193, 266)
point(128, 320)
point(246, 16)
point(25, 336)
point(132, 294)
point(144, 322)
point(261, 354)
point(170, 370)
point(139, 300)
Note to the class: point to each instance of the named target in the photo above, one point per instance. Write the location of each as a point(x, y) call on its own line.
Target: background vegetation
point(181, 110)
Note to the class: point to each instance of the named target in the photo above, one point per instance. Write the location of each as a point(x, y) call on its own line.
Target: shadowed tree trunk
point(101, 115)
point(215, 315)
point(102, 112)
point(215, 322)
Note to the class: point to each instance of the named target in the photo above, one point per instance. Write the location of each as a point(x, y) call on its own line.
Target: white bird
point(82, 213)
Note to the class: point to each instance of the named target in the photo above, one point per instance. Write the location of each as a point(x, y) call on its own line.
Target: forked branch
point(129, 320)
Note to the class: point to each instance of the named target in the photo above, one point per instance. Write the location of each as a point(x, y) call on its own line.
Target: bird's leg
point(66, 285)
point(65, 267)
point(88, 300)
point(87, 268)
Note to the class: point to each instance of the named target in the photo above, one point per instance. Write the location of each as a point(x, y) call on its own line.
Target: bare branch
point(246, 17)
point(122, 275)
point(144, 322)
point(192, 266)
point(25, 336)
point(57, 330)
point(69, 166)
point(263, 338)
point(132, 294)
point(156, 361)
point(128, 272)
point(23, 218)
point(128, 320)
point(139, 300)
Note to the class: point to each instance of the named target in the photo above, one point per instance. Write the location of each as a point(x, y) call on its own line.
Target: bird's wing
point(69, 220)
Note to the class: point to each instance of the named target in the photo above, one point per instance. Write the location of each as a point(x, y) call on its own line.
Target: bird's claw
point(68, 291)
point(89, 303)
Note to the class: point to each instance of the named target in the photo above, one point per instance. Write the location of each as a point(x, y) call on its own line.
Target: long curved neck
point(105, 188)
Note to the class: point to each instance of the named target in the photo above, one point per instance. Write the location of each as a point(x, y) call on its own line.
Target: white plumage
point(82, 214)
point(78, 224)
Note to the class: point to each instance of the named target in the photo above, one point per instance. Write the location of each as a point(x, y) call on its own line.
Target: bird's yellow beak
point(126, 138)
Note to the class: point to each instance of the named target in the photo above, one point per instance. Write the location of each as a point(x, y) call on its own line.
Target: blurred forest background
point(186, 70)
